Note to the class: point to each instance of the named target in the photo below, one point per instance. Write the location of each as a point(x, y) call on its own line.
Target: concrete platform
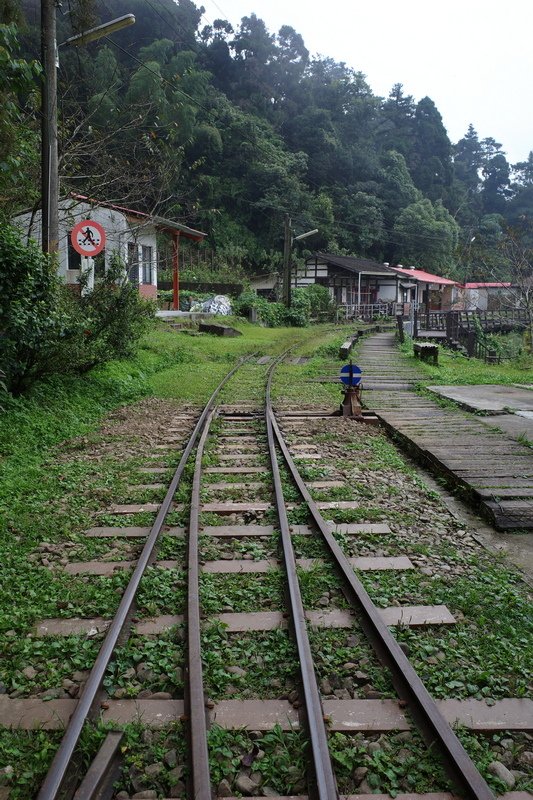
point(510, 408)
point(516, 425)
point(488, 397)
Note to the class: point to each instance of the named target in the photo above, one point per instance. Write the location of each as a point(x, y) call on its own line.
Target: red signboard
point(88, 238)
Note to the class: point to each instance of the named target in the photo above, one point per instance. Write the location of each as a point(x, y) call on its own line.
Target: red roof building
point(430, 292)
point(425, 277)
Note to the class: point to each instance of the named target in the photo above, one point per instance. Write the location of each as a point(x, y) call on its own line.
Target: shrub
point(33, 317)
point(322, 305)
point(272, 314)
point(110, 319)
point(45, 329)
point(299, 312)
point(306, 302)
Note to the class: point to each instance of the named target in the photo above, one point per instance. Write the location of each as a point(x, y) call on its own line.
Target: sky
point(473, 58)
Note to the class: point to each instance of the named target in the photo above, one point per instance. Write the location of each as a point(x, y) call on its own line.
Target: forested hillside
point(227, 130)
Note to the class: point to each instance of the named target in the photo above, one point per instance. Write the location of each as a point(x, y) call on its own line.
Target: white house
point(131, 234)
point(487, 296)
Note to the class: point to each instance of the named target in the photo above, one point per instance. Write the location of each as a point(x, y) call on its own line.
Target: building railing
point(368, 311)
point(505, 319)
point(468, 329)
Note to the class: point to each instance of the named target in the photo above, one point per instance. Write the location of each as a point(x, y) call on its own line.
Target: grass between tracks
point(50, 491)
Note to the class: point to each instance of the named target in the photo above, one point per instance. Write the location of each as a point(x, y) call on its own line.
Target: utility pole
point(287, 246)
point(288, 242)
point(49, 154)
point(49, 158)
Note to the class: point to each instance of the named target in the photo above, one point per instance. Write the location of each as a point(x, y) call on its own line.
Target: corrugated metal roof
point(353, 264)
point(493, 285)
point(424, 277)
point(160, 222)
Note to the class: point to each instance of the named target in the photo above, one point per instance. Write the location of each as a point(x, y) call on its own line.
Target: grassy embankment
point(455, 368)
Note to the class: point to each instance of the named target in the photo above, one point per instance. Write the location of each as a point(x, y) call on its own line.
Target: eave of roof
point(493, 285)
point(159, 222)
point(424, 277)
point(363, 266)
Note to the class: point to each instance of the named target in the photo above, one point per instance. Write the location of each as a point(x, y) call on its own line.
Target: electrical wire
point(391, 236)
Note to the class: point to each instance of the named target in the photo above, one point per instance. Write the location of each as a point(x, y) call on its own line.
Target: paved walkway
point(491, 468)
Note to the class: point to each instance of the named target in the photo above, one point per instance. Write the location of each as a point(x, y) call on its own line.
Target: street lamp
point(49, 155)
point(287, 247)
point(101, 30)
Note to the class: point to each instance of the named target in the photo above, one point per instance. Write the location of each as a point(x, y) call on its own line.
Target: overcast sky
point(474, 58)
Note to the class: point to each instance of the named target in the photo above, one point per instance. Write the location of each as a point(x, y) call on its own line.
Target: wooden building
point(353, 282)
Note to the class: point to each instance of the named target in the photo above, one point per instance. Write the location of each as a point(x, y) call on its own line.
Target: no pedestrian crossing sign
point(88, 238)
point(351, 375)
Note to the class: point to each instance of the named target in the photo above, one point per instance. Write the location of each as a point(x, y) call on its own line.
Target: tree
point(290, 62)
point(396, 187)
point(363, 229)
point(468, 159)
point(32, 318)
point(231, 129)
point(520, 207)
point(524, 171)
point(426, 235)
point(518, 253)
point(465, 194)
point(496, 184)
point(396, 128)
point(431, 156)
point(216, 54)
point(19, 149)
point(480, 255)
point(254, 55)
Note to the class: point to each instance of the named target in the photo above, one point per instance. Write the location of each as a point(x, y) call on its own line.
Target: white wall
point(387, 292)
point(475, 298)
point(119, 231)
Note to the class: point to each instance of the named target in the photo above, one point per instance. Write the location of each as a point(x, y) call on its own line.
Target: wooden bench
point(218, 330)
point(346, 347)
point(426, 352)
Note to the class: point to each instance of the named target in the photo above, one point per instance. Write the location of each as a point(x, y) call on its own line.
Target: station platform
point(486, 458)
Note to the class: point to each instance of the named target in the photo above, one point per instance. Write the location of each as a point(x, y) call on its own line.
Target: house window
point(74, 258)
point(147, 264)
point(133, 263)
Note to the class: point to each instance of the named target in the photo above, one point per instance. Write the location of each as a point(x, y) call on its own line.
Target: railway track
point(251, 453)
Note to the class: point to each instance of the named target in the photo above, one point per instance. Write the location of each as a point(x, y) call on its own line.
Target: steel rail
point(54, 785)
point(104, 770)
point(410, 688)
point(195, 700)
point(326, 785)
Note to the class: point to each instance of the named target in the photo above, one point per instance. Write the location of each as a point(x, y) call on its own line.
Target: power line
point(392, 237)
point(166, 21)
